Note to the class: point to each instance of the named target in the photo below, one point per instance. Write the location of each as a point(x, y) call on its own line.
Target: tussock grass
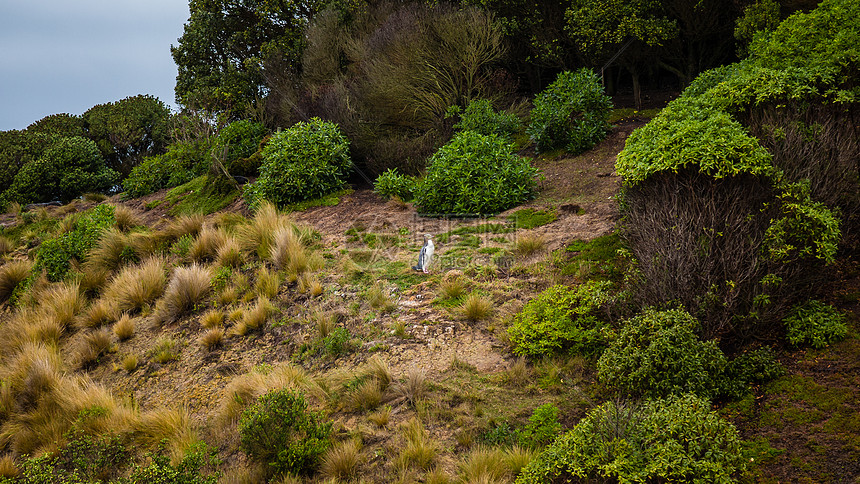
point(452, 288)
point(381, 417)
point(6, 245)
point(517, 458)
point(259, 235)
point(378, 369)
point(12, 274)
point(253, 474)
point(230, 254)
point(63, 302)
point(476, 307)
point(91, 346)
point(528, 244)
point(484, 465)
point(129, 362)
point(35, 369)
point(183, 225)
point(42, 328)
point(519, 373)
point(366, 396)
point(288, 252)
point(418, 450)
point(124, 327)
point(171, 424)
point(187, 287)
point(8, 469)
point(255, 317)
point(146, 244)
point(205, 246)
point(126, 218)
point(212, 338)
point(227, 296)
point(341, 460)
point(137, 286)
point(437, 476)
point(213, 318)
point(166, 349)
point(378, 297)
point(97, 315)
point(323, 321)
point(111, 251)
point(413, 388)
point(268, 283)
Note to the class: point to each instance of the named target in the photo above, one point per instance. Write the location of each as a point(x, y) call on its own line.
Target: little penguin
point(425, 255)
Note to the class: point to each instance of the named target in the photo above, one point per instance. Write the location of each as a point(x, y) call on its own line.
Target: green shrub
point(392, 184)
point(182, 162)
point(480, 117)
point(236, 143)
point(278, 430)
point(307, 161)
point(562, 319)
point(677, 439)
point(69, 168)
point(752, 367)
point(55, 254)
point(571, 113)
point(815, 324)
point(543, 427)
point(657, 353)
point(475, 174)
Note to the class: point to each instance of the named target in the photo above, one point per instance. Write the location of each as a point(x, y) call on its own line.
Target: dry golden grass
point(268, 283)
point(253, 474)
point(184, 225)
point(205, 246)
point(323, 321)
point(255, 317)
point(528, 244)
point(517, 457)
point(378, 297)
point(188, 287)
point(97, 315)
point(6, 245)
point(381, 417)
point(129, 362)
point(126, 218)
point(145, 244)
point(33, 370)
point(227, 296)
point(437, 476)
point(259, 234)
point(137, 286)
point(484, 465)
point(12, 274)
point(476, 307)
point(107, 255)
point(452, 288)
point(244, 390)
point(42, 328)
point(418, 450)
point(519, 373)
point(413, 388)
point(171, 424)
point(378, 369)
point(124, 327)
point(91, 346)
point(366, 396)
point(165, 350)
point(230, 253)
point(288, 252)
point(212, 338)
point(341, 460)
point(213, 318)
point(8, 469)
point(63, 302)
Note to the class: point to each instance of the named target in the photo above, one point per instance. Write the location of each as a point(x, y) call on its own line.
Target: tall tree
point(226, 45)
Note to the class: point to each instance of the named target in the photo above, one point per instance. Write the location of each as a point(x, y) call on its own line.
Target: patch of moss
point(329, 200)
point(201, 195)
point(596, 259)
point(529, 218)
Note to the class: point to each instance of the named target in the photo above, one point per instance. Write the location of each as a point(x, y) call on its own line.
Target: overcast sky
point(66, 56)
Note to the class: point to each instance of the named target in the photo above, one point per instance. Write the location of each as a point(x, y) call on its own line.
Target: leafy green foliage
point(657, 353)
point(392, 184)
point(677, 439)
point(562, 319)
point(758, 18)
point(55, 254)
point(307, 161)
point(479, 116)
point(475, 174)
point(70, 167)
point(236, 143)
point(182, 162)
point(280, 431)
point(756, 367)
point(128, 130)
point(805, 229)
point(815, 324)
point(571, 113)
point(543, 427)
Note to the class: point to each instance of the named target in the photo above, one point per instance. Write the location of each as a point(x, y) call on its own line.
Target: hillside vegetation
point(617, 294)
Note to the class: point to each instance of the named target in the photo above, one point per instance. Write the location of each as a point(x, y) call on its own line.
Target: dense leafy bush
point(392, 184)
point(280, 431)
point(69, 168)
point(571, 113)
point(18, 148)
point(562, 319)
point(307, 161)
point(543, 427)
point(474, 174)
point(184, 161)
point(677, 439)
point(815, 324)
point(752, 367)
point(479, 116)
point(657, 353)
point(237, 142)
point(55, 254)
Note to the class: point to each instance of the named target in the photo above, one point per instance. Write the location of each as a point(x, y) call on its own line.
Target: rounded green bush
point(571, 113)
point(183, 162)
point(392, 184)
point(479, 116)
point(815, 324)
point(657, 353)
point(677, 439)
point(237, 142)
point(280, 431)
point(307, 161)
point(561, 319)
point(475, 174)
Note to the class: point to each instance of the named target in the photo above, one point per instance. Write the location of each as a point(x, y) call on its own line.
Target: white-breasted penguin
point(425, 255)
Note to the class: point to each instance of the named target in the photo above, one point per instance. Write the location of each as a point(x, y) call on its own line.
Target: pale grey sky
point(66, 56)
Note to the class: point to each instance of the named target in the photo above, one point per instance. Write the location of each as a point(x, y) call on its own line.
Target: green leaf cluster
point(805, 229)
point(571, 113)
point(236, 143)
point(562, 319)
point(479, 116)
point(307, 161)
point(657, 353)
point(54, 255)
point(183, 161)
point(280, 431)
point(475, 174)
point(390, 184)
point(542, 428)
point(815, 324)
point(676, 439)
